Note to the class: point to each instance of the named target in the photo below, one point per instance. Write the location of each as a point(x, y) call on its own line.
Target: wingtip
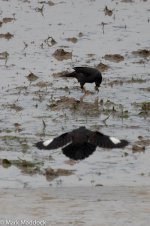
point(118, 143)
point(124, 143)
point(39, 145)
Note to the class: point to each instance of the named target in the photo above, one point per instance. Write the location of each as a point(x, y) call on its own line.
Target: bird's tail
point(78, 151)
point(69, 75)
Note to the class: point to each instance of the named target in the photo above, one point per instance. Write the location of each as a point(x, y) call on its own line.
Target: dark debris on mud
point(42, 84)
point(79, 106)
point(50, 3)
point(14, 141)
point(143, 107)
point(145, 89)
point(4, 56)
point(40, 10)
point(6, 20)
point(51, 174)
point(32, 77)
point(35, 167)
point(138, 148)
point(140, 145)
point(120, 82)
point(50, 41)
point(7, 35)
point(73, 40)
point(102, 67)
point(127, 1)
point(142, 53)
point(108, 12)
point(114, 57)
point(110, 108)
point(14, 107)
point(61, 54)
point(96, 108)
point(26, 167)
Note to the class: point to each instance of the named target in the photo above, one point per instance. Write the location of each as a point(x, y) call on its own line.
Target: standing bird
point(80, 143)
point(86, 75)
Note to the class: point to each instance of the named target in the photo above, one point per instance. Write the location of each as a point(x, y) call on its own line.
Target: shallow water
point(24, 104)
point(125, 31)
point(77, 206)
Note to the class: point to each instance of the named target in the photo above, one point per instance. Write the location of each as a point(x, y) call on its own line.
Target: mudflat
point(106, 205)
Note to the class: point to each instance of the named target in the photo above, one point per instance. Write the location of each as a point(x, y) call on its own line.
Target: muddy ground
point(40, 40)
point(109, 205)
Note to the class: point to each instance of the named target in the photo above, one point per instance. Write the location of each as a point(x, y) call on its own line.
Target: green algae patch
point(28, 167)
point(144, 108)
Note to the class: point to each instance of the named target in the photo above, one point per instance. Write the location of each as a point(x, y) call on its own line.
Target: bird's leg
point(82, 97)
point(83, 89)
point(97, 88)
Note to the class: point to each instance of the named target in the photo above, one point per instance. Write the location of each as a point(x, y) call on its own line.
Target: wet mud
point(77, 206)
point(39, 42)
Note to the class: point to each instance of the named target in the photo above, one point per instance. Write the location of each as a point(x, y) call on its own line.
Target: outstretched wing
point(55, 143)
point(78, 151)
point(105, 141)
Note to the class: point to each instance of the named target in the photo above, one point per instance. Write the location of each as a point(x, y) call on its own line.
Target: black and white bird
point(80, 143)
point(86, 75)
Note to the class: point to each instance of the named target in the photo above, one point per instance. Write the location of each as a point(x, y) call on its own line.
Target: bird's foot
point(84, 90)
point(97, 89)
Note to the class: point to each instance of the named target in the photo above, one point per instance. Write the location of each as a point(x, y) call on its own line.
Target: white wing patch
point(47, 142)
point(114, 140)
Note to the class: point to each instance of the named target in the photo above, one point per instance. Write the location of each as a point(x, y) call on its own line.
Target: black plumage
point(86, 75)
point(80, 143)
